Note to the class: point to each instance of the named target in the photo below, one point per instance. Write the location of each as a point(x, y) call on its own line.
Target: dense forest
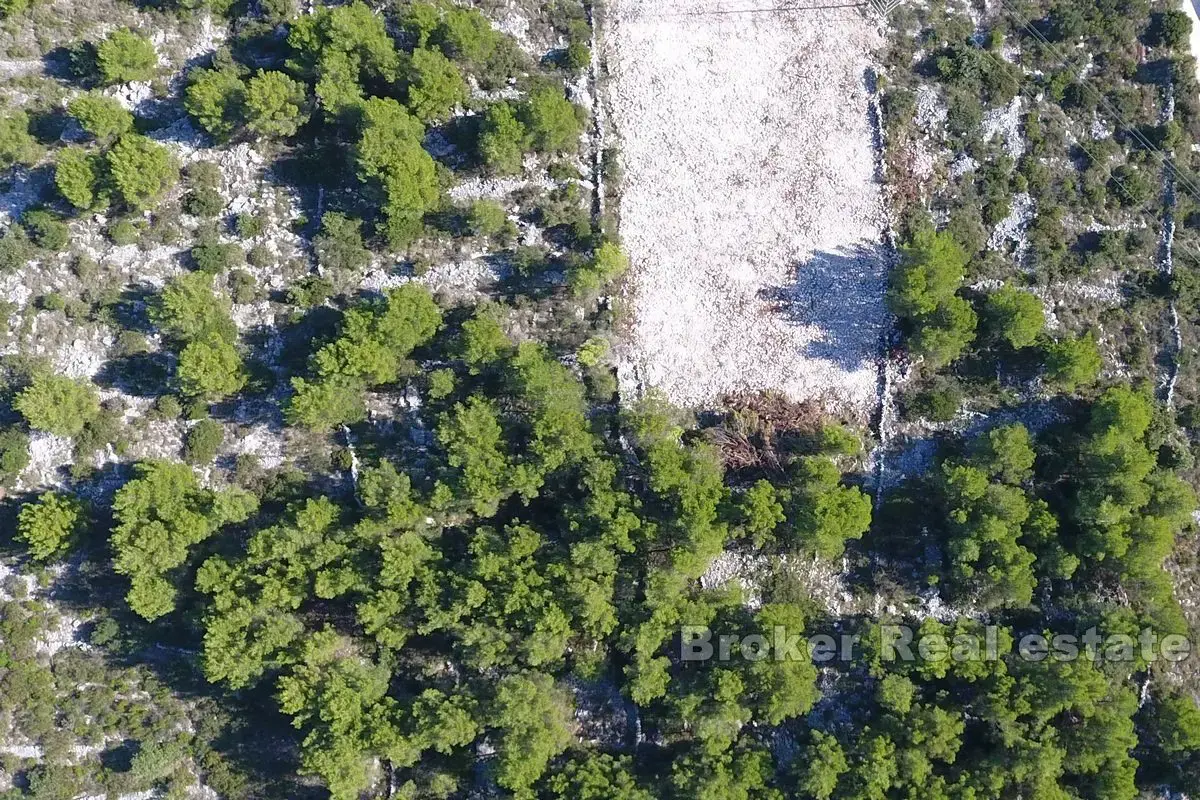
point(322, 519)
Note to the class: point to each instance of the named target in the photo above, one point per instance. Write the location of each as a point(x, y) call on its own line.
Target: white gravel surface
point(750, 208)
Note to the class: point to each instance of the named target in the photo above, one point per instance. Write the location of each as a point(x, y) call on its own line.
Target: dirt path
point(750, 205)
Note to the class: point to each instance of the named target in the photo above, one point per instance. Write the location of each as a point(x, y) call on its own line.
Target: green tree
point(941, 336)
point(435, 86)
point(339, 245)
point(1073, 363)
point(142, 170)
point(532, 722)
point(825, 514)
point(1015, 316)
point(202, 442)
point(160, 515)
point(79, 175)
point(390, 154)
point(216, 98)
point(596, 776)
point(101, 116)
point(187, 309)
point(325, 404)
point(58, 404)
point(275, 104)
point(607, 264)
point(49, 525)
point(336, 697)
point(210, 368)
point(553, 121)
point(502, 140)
point(821, 767)
point(14, 453)
point(126, 56)
point(931, 270)
point(17, 145)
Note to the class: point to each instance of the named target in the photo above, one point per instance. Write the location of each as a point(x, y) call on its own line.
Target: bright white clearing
point(750, 208)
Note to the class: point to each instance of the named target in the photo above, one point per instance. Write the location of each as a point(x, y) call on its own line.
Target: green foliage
point(160, 515)
point(825, 514)
point(821, 766)
point(126, 56)
point(596, 776)
point(213, 257)
point(142, 170)
point(79, 175)
point(215, 98)
point(46, 229)
point(435, 86)
point(341, 48)
point(1015, 316)
point(488, 218)
point(606, 265)
point(1073, 363)
point(325, 404)
point(335, 699)
point(995, 527)
point(553, 122)
point(922, 293)
point(187, 309)
point(274, 104)
point(17, 145)
point(210, 369)
point(58, 404)
point(49, 525)
point(14, 453)
point(1172, 28)
point(339, 245)
point(1178, 722)
point(502, 140)
point(532, 722)
point(101, 116)
point(389, 155)
point(10, 8)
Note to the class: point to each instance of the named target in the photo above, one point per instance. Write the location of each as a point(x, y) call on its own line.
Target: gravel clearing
point(750, 207)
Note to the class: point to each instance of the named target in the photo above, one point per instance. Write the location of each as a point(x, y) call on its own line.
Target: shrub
point(275, 104)
point(215, 99)
point(17, 145)
point(46, 229)
point(339, 245)
point(203, 441)
point(435, 86)
point(49, 525)
point(141, 170)
point(553, 121)
point(15, 249)
point(250, 225)
point(213, 256)
point(78, 174)
point(502, 140)
point(58, 404)
point(1072, 363)
point(126, 56)
point(14, 453)
point(242, 287)
point(102, 117)
point(1015, 316)
point(125, 231)
point(940, 402)
point(487, 218)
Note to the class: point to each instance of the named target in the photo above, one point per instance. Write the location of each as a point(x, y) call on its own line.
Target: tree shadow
point(841, 293)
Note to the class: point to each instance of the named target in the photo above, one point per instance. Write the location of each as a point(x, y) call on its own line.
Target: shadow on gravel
point(840, 293)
